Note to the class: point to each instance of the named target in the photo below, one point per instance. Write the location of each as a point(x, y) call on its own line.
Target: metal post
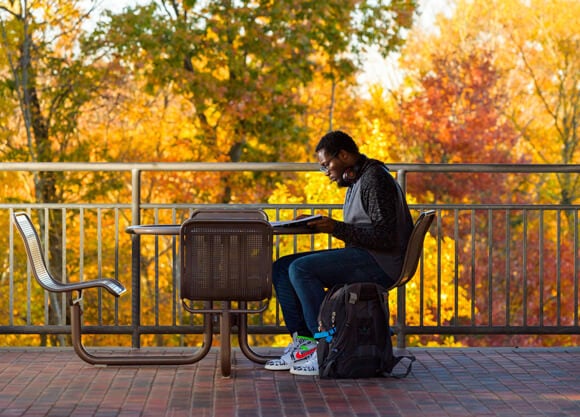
point(401, 292)
point(136, 258)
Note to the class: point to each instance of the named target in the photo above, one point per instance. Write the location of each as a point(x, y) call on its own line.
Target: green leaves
point(242, 64)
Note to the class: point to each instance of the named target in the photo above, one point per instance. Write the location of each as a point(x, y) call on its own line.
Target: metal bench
point(42, 274)
point(225, 257)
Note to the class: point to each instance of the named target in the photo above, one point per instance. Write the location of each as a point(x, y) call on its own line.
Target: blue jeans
point(300, 281)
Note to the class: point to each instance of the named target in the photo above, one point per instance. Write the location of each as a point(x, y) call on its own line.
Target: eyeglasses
point(324, 165)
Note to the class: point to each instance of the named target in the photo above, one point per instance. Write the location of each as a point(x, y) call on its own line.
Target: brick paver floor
point(444, 382)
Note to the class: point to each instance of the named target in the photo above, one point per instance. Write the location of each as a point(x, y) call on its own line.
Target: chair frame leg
point(225, 341)
point(244, 344)
point(121, 360)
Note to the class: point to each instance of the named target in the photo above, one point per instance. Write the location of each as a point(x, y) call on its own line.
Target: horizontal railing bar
point(58, 206)
point(162, 166)
point(462, 207)
point(272, 330)
point(169, 206)
point(277, 167)
point(485, 330)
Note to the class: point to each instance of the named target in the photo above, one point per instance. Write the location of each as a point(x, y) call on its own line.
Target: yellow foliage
point(438, 282)
point(536, 53)
point(283, 195)
point(319, 189)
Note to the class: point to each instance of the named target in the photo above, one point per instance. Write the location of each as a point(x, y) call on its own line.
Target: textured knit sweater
point(376, 216)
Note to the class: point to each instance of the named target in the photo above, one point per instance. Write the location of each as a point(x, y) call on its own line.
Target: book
point(302, 222)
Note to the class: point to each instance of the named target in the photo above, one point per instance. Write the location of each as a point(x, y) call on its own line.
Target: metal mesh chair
point(42, 274)
point(226, 257)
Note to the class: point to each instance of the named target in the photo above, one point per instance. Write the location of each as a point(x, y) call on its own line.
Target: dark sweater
point(376, 216)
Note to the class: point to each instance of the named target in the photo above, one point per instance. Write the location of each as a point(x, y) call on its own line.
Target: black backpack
point(354, 339)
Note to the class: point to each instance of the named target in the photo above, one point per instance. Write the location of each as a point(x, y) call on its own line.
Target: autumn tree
point(497, 82)
point(45, 83)
point(457, 116)
point(532, 47)
point(538, 51)
point(243, 65)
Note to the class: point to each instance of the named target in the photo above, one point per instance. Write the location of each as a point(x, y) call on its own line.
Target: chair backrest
point(415, 247)
point(226, 255)
point(34, 250)
point(40, 271)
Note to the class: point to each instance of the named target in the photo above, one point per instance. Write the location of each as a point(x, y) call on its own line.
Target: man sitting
point(376, 228)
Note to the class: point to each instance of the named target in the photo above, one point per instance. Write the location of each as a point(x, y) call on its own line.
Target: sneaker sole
point(303, 373)
point(278, 367)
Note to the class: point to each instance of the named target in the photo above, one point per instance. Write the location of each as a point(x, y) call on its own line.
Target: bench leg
point(118, 360)
point(225, 341)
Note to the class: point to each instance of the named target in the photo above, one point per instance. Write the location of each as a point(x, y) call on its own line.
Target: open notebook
point(296, 223)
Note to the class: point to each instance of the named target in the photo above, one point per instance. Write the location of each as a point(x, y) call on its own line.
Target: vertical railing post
point(401, 293)
point(136, 258)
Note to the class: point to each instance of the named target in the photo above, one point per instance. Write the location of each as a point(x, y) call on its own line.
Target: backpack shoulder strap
point(402, 367)
point(404, 361)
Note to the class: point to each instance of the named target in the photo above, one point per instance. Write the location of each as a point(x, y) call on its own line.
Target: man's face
point(332, 166)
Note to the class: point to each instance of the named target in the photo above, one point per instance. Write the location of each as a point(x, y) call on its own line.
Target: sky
point(376, 68)
point(386, 71)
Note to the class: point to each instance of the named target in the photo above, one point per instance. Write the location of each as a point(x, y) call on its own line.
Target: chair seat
point(48, 282)
point(41, 272)
point(111, 285)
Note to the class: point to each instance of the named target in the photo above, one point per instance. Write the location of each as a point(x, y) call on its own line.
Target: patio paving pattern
point(444, 382)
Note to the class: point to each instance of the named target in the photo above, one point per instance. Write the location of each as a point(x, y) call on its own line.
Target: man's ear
point(342, 155)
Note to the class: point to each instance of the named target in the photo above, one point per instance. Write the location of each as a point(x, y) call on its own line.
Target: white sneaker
point(307, 365)
point(296, 350)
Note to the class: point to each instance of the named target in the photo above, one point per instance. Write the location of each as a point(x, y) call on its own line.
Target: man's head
point(337, 153)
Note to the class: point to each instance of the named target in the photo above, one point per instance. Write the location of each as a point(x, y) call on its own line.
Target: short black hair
point(335, 141)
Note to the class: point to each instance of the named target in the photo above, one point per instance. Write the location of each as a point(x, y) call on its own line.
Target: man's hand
point(323, 225)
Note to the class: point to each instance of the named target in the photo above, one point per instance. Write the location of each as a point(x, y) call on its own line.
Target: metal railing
point(487, 269)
